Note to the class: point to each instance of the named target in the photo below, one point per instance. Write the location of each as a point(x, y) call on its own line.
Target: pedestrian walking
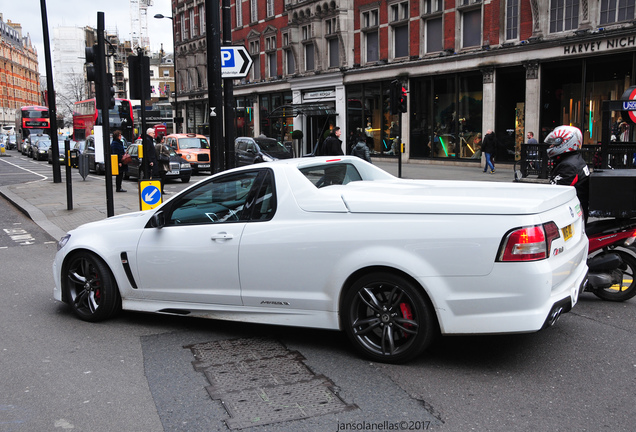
point(489, 147)
point(149, 153)
point(117, 148)
point(360, 149)
point(162, 153)
point(333, 145)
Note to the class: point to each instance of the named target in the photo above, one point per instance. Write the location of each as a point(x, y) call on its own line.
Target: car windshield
point(44, 144)
point(271, 145)
point(193, 143)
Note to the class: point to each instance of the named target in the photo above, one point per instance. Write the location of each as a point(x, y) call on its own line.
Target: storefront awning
point(307, 109)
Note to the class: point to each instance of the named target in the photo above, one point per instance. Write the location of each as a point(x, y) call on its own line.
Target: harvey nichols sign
point(603, 45)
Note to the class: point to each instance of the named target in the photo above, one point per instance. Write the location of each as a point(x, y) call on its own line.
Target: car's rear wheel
point(90, 288)
point(387, 318)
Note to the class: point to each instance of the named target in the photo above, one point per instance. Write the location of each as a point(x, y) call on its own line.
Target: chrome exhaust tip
point(554, 316)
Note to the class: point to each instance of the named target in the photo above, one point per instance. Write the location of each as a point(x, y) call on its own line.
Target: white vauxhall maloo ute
point(337, 243)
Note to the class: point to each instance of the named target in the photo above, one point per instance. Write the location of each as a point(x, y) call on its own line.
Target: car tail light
point(528, 243)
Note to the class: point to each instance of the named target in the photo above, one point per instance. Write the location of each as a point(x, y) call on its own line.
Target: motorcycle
point(612, 268)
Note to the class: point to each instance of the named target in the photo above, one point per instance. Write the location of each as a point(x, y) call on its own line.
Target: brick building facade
point(468, 65)
point(19, 75)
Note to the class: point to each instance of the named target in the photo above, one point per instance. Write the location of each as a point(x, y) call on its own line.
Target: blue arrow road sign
point(151, 195)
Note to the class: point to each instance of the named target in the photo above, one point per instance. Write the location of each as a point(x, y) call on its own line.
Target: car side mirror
point(158, 220)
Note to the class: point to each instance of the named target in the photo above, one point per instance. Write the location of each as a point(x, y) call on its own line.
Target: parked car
point(29, 144)
point(39, 150)
point(260, 149)
point(179, 167)
point(61, 154)
point(192, 147)
point(338, 243)
point(11, 142)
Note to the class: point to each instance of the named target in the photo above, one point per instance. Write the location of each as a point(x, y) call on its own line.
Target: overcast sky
point(84, 13)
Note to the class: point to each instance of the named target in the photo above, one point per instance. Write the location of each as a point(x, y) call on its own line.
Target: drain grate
point(259, 382)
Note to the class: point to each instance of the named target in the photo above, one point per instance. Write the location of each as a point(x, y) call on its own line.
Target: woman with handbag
point(117, 148)
point(163, 162)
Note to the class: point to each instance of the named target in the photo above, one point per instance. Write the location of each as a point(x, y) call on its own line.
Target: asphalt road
point(136, 372)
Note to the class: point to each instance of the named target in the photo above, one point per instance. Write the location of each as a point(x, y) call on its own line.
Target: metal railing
point(535, 162)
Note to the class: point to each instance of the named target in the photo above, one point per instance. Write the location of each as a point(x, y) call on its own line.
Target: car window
point(331, 174)
point(193, 143)
point(263, 205)
point(242, 145)
point(217, 201)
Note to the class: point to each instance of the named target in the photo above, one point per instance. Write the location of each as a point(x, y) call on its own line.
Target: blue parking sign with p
point(227, 58)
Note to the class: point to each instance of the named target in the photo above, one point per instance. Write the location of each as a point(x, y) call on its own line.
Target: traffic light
point(93, 64)
point(394, 99)
point(111, 91)
point(402, 106)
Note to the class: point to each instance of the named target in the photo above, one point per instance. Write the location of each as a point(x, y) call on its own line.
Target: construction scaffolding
point(139, 24)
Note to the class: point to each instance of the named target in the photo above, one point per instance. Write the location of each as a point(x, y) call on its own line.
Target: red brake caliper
point(406, 314)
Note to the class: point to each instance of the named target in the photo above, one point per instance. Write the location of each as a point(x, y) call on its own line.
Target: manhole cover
point(259, 382)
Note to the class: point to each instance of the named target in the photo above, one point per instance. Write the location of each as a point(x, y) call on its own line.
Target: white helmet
point(564, 139)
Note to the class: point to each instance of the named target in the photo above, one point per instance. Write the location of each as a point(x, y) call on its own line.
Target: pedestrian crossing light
point(112, 91)
point(402, 105)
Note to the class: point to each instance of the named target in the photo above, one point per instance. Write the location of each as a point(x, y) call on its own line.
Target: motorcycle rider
point(569, 167)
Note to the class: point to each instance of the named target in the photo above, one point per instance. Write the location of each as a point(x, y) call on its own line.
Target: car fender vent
point(126, 265)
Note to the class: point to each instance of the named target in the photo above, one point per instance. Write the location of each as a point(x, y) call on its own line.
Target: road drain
point(259, 382)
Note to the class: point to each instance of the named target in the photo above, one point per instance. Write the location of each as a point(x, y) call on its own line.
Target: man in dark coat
point(488, 147)
point(333, 145)
point(117, 148)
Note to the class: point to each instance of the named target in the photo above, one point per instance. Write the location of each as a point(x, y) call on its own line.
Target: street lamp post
point(174, 55)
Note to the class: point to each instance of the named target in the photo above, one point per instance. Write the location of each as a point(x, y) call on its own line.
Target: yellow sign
point(149, 194)
point(114, 165)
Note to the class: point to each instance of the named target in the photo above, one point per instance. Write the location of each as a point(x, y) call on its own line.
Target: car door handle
point(222, 236)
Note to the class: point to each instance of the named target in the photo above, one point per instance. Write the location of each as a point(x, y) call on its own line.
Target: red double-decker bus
point(86, 116)
point(29, 120)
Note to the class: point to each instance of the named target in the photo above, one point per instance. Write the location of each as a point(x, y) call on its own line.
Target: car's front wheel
point(90, 287)
point(185, 179)
point(387, 318)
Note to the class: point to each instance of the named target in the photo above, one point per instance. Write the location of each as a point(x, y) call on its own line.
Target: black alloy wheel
point(627, 288)
point(388, 318)
point(90, 288)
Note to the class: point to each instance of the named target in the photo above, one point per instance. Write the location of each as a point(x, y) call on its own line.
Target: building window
point(166, 73)
point(270, 48)
point(193, 28)
point(471, 28)
point(309, 57)
point(564, 15)
point(239, 13)
point(290, 63)
point(202, 19)
point(286, 39)
point(334, 53)
point(610, 13)
point(371, 35)
point(330, 26)
point(253, 10)
point(255, 51)
point(306, 32)
point(399, 11)
point(272, 68)
point(183, 27)
point(270, 43)
point(270, 8)
point(370, 18)
point(512, 19)
point(432, 6)
point(434, 35)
